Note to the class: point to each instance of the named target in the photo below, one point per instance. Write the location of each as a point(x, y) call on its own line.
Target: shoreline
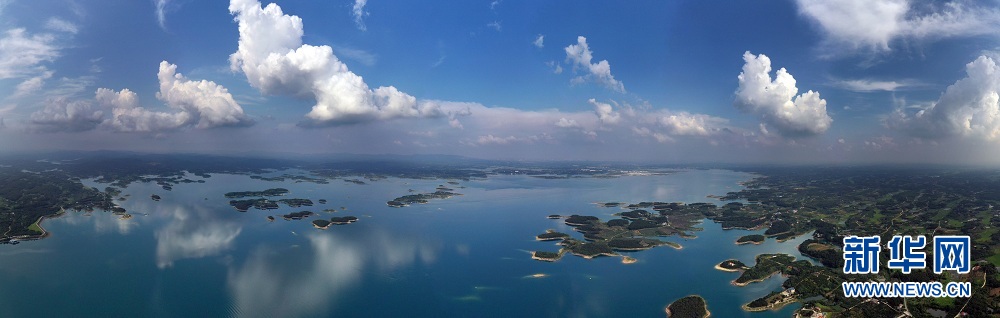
point(774, 306)
point(726, 269)
point(38, 223)
point(744, 284)
point(550, 260)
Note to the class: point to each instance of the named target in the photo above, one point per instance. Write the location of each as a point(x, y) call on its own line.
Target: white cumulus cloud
point(968, 108)
point(63, 115)
point(539, 41)
point(605, 113)
point(687, 124)
point(776, 103)
point(567, 123)
point(201, 104)
point(580, 56)
point(275, 61)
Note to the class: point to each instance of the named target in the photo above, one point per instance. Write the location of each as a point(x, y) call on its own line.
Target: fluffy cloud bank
point(873, 24)
point(968, 108)
point(776, 102)
point(275, 61)
point(62, 115)
point(580, 56)
point(199, 104)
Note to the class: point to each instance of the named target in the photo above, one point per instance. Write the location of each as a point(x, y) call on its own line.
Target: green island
point(325, 224)
point(688, 307)
point(266, 193)
point(750, 239)
point(551, 235)
point(731, 265)
point(421, 198)
point(265, 204)
point(297, 215)
point(295, 203)
point(343, 219)
point(296, 178)
point(259, 204)
point(547, 256)
point(634, 232)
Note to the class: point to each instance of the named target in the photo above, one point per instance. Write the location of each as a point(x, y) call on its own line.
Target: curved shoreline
point(753, 280)
point(45, 233)
point(774, 306)
point(726, 269)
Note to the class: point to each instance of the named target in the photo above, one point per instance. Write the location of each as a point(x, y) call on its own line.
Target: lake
point(191, 254)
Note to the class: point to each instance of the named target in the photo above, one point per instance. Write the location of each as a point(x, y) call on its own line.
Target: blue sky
point(666, 81)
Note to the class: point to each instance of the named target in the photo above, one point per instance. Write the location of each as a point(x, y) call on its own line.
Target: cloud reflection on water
point(193, 233)
point(292, 283)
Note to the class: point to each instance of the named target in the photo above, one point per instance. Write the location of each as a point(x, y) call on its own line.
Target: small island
point(551, 235)
point(755, 239)
point(325, 224)
point(354, 181)
point(297, 215)
point(321, 224)
point(259, 204)
point(266, 193)
point(295, 203)
point(265, 204)
point(636, 230)
point(731, 265)
point(421, 198)
point(546, 256)
point(338, 220)
point(155, 197)
point(688, 307)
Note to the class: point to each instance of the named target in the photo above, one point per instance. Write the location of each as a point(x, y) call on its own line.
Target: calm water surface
point(191, 254)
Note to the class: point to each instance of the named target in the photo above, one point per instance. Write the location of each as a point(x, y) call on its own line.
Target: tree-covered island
point(421, 198)
point(731, 265)
point(750, 239)
point(688, 307)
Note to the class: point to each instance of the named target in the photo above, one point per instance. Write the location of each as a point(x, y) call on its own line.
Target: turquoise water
point(468, 256)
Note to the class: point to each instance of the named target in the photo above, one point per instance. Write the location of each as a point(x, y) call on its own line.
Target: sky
point(796, 81)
